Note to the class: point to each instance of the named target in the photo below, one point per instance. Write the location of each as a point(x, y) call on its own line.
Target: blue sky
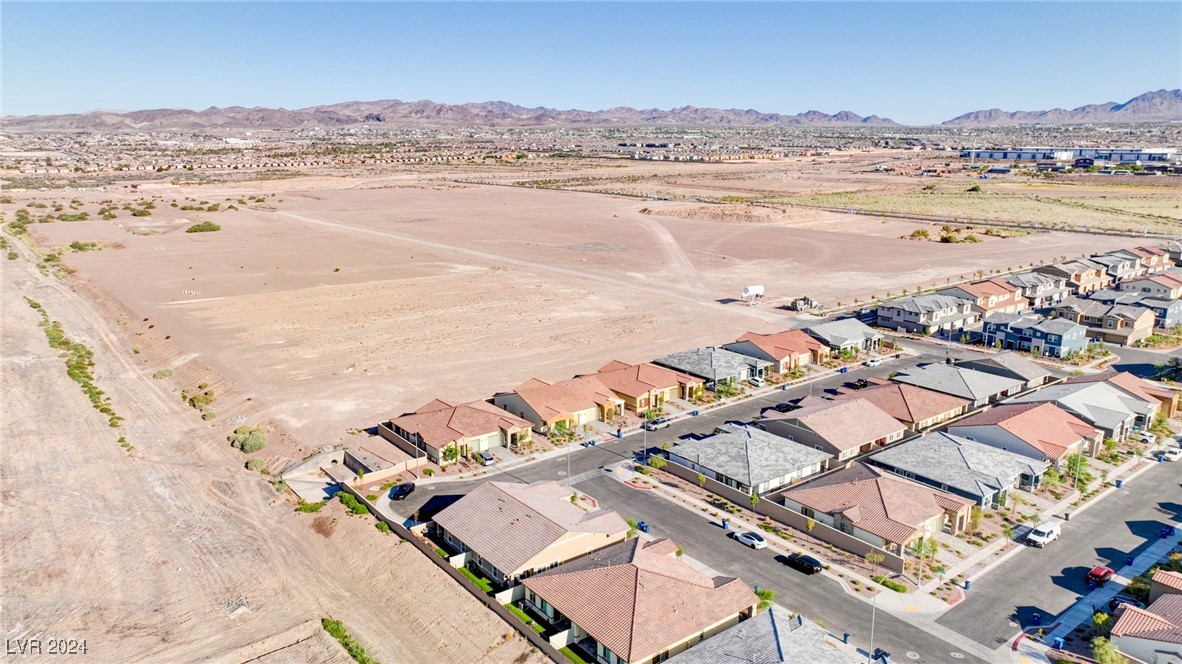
point(915, 62)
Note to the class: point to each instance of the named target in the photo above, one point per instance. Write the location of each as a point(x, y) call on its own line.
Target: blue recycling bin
point(1091, 585)
point(1058, 643)
point(783, 388)
point(642, 527)
point(694, 413)
point(1170, 531)
point(843, 370)
point(1036, 619)
point(1128, 560)
point(726, 524)
point(1120, 484)
point(845, 638)
point(966, 584)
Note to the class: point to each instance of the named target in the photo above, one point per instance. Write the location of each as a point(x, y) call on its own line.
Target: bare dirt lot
point(172, 552)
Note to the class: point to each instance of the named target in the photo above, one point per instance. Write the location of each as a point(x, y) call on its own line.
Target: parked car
point(487, 459)
point(873, 362)
point(401, 491)
point(860, 384)
point(755, 381)
point(803, 563)
point(1043, 534)
point(1122, 600)
point(658, 423)
point(752, 540)
point(1172, 454)
point(1144, 437)
point(1099, 575)
point(784, 407)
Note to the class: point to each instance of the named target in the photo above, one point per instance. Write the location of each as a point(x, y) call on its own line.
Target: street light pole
point(873, 613)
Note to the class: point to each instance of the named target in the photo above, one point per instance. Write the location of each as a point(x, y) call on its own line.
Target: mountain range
point(1159, 106)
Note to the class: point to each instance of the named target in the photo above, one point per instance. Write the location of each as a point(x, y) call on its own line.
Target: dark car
point(785, 407)
point(1099, 575)
point(1123, 600)
point(803, 563)
point(401, 491)
point(860, 384)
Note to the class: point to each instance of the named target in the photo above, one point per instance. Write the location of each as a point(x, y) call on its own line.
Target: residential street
point(1139, 362)
point(817, 597)
point(1050, 580)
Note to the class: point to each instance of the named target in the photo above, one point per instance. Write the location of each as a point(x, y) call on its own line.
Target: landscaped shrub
point(352, 504)
point(310, 507)
point(383, 526)
point(256, 464)
point(889, 583)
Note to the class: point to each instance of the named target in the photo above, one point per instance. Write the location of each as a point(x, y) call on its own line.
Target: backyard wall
point(787, 517)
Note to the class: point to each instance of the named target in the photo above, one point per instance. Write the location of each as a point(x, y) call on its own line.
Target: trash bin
point(1058, 643)
point(694, 413)
point(1036, 619)
point(966, 584)
point(1091, 585)
point(1128, 560)
point(845, 638)
point(726, 524)
point(1067, 516)
point(1120, 484)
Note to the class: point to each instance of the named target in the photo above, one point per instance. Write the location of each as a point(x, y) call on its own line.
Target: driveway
point(1050, 580)
point(817, 597)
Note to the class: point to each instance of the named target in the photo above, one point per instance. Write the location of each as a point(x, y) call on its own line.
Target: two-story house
point(1166, 286)
point(1118, 323)
point(1054, 337)
point(1083, 276)
point(1168, 313)
point(1042, 290)
point(1120, 265)
point(1153, 259)
point(926, 314)
point(991, 296)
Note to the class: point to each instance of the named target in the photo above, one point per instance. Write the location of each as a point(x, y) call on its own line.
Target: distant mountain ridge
point(424, 113)
point(1158, 106)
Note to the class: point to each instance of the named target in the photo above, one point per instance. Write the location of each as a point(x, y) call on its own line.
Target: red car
point(1099, 575)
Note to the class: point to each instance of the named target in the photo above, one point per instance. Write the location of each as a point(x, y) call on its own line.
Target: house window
point(808, 512)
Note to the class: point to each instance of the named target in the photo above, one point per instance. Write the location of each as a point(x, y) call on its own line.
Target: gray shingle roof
point(842, 332)
point(926, 304)
point(1098, 403)
point(748, 455)
point(958, 381)
point(771, 637)
point(1058, 326)
point(962, 464)
point(1007, 364)
point(711, 363)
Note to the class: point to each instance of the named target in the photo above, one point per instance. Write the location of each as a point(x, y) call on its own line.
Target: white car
point(873, 362)
point(1172, 454)
point(1043, 534)
point(1144, 437)
point(755, 381)
point(752, 540)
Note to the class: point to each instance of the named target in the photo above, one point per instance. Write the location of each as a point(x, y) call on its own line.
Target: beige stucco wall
point(569, 547)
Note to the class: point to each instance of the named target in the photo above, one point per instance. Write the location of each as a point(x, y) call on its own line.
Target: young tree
point(701, 480)
point(1105, 653)
point(754, 501)
point(809, 524)
point(766, 597)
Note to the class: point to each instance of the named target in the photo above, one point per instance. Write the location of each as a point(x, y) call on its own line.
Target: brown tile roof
point(550, 400)
point(509, 523)
point(1044, 426)
point(638, 599)
point(1122, 379)
point(846, 423)
point(878, 502)
point(908, 403)
point(781, 345)
point(995, 287)
point(440, 423)
point(1168, 579)
point(635, 380)
point(1161, 621)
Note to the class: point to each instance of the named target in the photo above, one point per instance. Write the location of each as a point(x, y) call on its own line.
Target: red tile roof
point(1122, 379)
point(1161, 621)
point(1168, 579)
point(1044, 426)
point(876, 501)
point(638, 599)
point(781, 345)
point(440, 423)
point(635, 380)
point(551, 400)
point(846, 423)
point(908, 403)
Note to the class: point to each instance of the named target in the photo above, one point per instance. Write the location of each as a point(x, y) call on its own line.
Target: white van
point(1043, 534)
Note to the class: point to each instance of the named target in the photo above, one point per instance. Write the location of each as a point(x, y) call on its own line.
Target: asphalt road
point(1048, 581)
point(431, 497)
point(1139, 362)
point(817, 597)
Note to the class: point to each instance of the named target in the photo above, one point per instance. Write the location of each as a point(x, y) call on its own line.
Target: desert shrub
point(256, 464)
point(383, 526)
point(310, 508)
point(248, 439)
point(352, 504)
point(163, 373)
point(337, 630)
point(203, 227)
point(207, 414)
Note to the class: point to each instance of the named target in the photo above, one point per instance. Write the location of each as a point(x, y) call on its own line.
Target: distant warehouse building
point(1114, 155)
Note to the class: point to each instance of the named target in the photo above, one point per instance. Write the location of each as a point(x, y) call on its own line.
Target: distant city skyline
point(915, 63)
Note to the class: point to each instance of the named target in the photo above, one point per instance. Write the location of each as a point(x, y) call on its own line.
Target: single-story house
point(842, 428)
point(749, 459)
point(379, 459)
point(926, 314)
point(878, 507)
point(787, 351)
point(772, 637)
point(445, 432)
point(716, 365)
point(846, 335)
point(561, 406)
point(978, 387)
point(509, 531)
point(636, 603)
point(918, 409)
point(1040, 431)
point(991, 296)
point(1166, 398)
point(1164, 582)
point(1009, 365)
point(963, 467)
point(1152, 635)
point(648, 386)
point(1106, 407)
